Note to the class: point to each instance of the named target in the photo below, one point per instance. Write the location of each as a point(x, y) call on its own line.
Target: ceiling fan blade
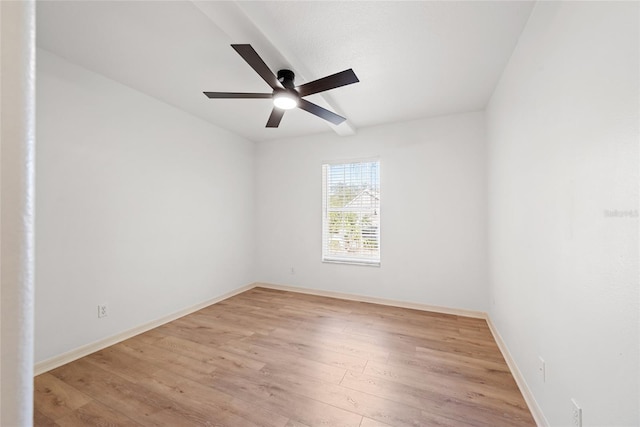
point(254, 60)
point(238, 95)
point(275, 117)
point(333, 81)
point(320, 112)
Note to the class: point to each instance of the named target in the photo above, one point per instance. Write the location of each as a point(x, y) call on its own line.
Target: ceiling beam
point(233, 19)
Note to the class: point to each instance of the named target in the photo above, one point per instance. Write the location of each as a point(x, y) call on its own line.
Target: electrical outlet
point(542, 369)
point(576, 414)
point(102, 310)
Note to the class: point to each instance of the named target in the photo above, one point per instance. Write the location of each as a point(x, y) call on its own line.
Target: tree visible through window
point(351, 212)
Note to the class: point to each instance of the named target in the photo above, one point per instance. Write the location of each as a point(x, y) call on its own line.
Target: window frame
point(326, 257)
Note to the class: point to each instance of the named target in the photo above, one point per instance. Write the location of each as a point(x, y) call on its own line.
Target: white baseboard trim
point(374, 300)
point(85, 350)
point(534, 408)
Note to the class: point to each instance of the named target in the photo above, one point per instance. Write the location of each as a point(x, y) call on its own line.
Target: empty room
point(329, 213)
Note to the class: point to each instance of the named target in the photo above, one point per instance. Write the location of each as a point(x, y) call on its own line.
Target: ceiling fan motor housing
point(286, 77)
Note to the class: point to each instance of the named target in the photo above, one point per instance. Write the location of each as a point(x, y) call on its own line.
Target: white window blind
point(351, 212)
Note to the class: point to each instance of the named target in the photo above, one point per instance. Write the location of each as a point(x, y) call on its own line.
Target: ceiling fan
point(285, 95)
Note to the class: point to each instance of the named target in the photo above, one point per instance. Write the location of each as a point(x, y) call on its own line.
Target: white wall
point(563, 153)
point(139, 205)
point(433, 207)
point(17, 123)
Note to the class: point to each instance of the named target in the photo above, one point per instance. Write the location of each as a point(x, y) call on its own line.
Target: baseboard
point(534, 408)
point(374, 300)
point(85, 350)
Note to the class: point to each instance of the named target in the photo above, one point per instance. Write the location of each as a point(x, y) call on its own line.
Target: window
point(351, 212)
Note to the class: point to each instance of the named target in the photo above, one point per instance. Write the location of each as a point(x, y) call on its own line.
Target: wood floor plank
point(335, 342)
point(313, 368)
point(188, 367)
point(95, 414)
point(368, 422)
point(312, 352)
point(301, 408)
point(366, 404)
point(55, 398)
point(118, 362)
point(39, 419)
point(453, 402)
point(470, 384)
point(446, 364)
point(273, 358)
point(256, 414)
point(259, 321)
point(202, 398)
point(210, 354)
point(293, 423)
point(112, 390)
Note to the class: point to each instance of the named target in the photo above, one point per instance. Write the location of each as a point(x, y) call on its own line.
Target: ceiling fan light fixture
point(286, 95)
point(285, 100)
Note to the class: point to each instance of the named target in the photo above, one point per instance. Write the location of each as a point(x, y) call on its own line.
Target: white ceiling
point(413, 59)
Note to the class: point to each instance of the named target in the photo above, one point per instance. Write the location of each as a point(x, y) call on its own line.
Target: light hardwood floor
point(275, 358)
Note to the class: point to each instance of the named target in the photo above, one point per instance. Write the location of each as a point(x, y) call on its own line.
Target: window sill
point(352, 262)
